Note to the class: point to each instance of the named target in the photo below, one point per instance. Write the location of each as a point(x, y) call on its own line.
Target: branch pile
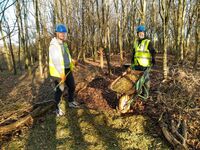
point(179, 101)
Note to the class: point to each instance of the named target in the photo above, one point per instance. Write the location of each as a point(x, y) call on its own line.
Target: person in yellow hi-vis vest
point(61, 67)
point(143, 55)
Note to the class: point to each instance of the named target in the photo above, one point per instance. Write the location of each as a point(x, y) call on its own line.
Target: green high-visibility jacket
point(142, 55)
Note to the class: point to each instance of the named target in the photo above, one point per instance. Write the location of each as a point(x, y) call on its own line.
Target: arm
point(133, 54)
point(153, 52)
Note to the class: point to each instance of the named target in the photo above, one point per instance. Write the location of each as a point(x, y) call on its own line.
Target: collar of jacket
point(140, 40)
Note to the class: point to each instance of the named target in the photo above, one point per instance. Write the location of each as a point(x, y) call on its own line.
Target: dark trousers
point(71, 87)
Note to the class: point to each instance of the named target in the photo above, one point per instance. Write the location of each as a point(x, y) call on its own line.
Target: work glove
point(132, 66)
point(62, 77)
point(129, 70)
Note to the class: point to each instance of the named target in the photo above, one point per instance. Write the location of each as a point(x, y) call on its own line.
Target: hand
point(63, 78)
point(132, 66)
point(129, 70)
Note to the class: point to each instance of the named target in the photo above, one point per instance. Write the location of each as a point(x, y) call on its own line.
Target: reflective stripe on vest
point(142, 55)
point(52, 68)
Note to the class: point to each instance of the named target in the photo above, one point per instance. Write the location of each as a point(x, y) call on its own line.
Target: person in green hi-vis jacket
point(143, 56)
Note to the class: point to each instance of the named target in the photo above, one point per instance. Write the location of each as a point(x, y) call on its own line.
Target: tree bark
point(143, 11)
point(38, 38)
point(197, 38)
point(6, 51)
point(28, 119)
point(164, 13)
point(180, 16)
point(101, 57)
point(26, 50)
point(11, 51)
point(119, 30)
point(18, 14)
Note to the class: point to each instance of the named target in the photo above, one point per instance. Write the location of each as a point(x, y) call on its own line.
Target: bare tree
point(164, 13)
point(5, 49)
point(38, 37)
point(197, 36)
point(180, 28)
point(120, 40)
point(9, 32)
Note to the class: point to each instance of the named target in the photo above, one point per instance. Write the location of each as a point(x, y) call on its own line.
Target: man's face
point(60, 35)
point(141, 35)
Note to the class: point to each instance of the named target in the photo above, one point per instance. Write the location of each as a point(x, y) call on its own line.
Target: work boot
point(74, 104)
point(59, 112)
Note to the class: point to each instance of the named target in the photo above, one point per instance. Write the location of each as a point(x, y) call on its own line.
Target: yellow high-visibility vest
point(52, 68)
point(142, 55)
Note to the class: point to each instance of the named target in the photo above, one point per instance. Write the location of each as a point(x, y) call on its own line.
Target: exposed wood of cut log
point(28, 119)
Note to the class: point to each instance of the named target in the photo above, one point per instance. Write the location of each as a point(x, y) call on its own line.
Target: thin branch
point(5, 8)
point(2, 2)
point(9, 32)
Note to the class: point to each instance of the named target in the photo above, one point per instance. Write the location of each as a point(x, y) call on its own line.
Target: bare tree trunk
point(180, 26)
point(132, 15)
point(12, 55)
point(44, 37)
point(143, 11)
point(82, 52)
point(101, 57)
point(18, 15)
point(120, 40)
point(55, 10)
point(19, 47)
point(61, 11)
point(154, 16)
point(26, 50)
point(38, 38)
point(182, 44)
point(22, 36)
point(165, 68)
point(197, 38)
point(105, 22)
point(83, 30)
point(5, 50)
point(107, 51)
point(164, 13)
point(190, 20)
point(94, 41)
point(11, 49)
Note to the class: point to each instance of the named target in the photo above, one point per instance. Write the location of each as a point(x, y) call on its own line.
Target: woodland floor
point(97, 126)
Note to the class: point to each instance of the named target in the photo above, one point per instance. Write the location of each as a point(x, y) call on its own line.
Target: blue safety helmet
point(141, 28)
point(61, 28)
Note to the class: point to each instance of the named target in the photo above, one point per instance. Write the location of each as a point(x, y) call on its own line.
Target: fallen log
point(43, 103)
point(26, 120)
point(14, 115)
